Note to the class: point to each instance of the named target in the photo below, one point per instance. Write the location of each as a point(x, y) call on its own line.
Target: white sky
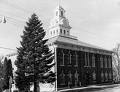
point(92, 21)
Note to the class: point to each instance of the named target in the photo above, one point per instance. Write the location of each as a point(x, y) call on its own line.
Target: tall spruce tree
point(8, 72)
point(34, 60)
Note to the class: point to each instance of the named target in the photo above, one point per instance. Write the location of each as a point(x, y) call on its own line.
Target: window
point(106, 75)
point(94, 75)
point(64, 32)
point(102, 76)
point(70, 58)
point(110, 75)
point(61, 31)
point(54, 31)
point(88, 60)
point(57, 31)
point(93, 60)
point(67, 32)
point(61, 13)
point(60, 58)
point(85, 59)
point(76, 60)
point(76, 78)
point(62, 78)
point(109, 63)
point(73, 58)
point(70, 78)
point(51, 32)
point(101, 62)
point(105, 60)
point(67, 58)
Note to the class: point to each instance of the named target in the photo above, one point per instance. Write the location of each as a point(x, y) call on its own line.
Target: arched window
point(61, 13)
point(61, 31)
point(64, 32)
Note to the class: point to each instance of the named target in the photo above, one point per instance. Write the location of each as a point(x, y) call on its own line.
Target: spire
point(59, 3)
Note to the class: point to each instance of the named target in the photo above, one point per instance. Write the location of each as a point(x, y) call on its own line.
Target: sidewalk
point(91, 87)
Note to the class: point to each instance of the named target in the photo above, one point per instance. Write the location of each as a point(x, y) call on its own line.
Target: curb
point(90, 87)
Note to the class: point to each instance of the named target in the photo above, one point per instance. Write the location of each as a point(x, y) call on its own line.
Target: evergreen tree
point(7, 69)
point(1, 70)
point(34, 60)
point(1, 75)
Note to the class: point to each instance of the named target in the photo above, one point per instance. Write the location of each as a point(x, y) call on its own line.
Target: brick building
point(77, 63)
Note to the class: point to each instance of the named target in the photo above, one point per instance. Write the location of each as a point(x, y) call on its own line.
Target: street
point(115, 89)
point(97, 89)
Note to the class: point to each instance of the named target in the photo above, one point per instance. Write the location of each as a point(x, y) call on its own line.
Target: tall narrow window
point(68, 32)
point(110, 75)
point(94, 76)
point(76, 78)
point(93, 60)
point(61, 31)
point(62, 78)
point(85, 59)
point(64, 32)
point(70, 79)
point(76, 60)
point(102, 76)
point(57, 31)
point(61, 13)
point(67, 57)
point(54, 31)
point(106, 76)
point(105, 60)
point(73, 58)
point(51, 32)
point(101, 62)
point(88, 60)
point(60, 58)
point(70, 57)
point(109, 62)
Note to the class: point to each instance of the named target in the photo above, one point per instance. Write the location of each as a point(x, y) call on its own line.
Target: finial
point(59, 2)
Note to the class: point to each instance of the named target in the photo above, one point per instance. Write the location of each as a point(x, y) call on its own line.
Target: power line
point(8, 48)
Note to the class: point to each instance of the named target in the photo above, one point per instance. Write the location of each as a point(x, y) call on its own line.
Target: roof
point(69, 40)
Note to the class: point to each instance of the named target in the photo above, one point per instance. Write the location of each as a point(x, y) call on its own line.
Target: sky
point(93, 21)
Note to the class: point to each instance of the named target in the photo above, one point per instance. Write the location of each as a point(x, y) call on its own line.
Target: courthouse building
point(77, 63)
